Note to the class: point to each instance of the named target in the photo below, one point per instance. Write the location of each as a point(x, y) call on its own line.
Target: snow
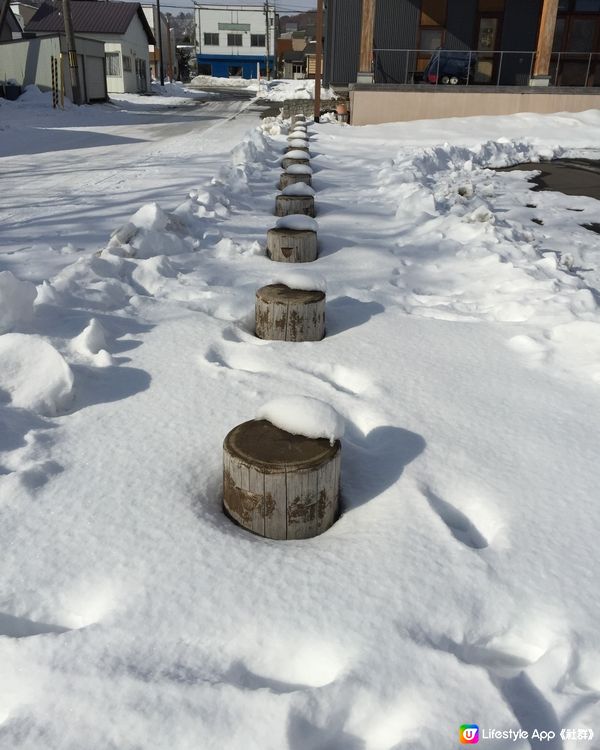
point(297, 222)
point(297, 143)
point(298, 169)
point(34, 374)
point(296, 154)
point(16, 301)
point(461, 355)
point(298, 188)
point(303, 416)
point(233, 82)
point(307, 280)
point(282, 89)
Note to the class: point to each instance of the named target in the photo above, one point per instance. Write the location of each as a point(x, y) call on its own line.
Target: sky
point(284, 7)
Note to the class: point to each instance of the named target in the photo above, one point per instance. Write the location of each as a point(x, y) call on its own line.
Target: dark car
point(450, 67)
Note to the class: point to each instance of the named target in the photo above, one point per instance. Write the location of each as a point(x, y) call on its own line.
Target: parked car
point(450, 67)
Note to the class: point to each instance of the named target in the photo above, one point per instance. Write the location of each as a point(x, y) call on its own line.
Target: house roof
point(11, 21)
point(293, 56)
point(91, 17)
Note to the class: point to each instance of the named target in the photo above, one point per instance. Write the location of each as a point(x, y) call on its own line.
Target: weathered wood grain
point(287, 161)
point(284, 314)
point(291, 179)
point(280, 485)
point(285, 205)
point(292, 245)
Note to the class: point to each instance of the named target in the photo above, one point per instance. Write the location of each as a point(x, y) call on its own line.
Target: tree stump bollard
point(292, 245)
point(294, 146)
point(284, 314)
point(295, 173)
point(279, 485)
point(295, 156)
point(294, 204)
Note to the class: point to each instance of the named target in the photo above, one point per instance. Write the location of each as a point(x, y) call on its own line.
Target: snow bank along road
point(459, 585)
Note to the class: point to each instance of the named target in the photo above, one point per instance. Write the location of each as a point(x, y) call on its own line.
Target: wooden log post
point(284, 314)
point(291, 178)
point(292, 245)
point(285, 205)
point(288, 160)
point(295, 147)
point(279, 485)
point(543, 54)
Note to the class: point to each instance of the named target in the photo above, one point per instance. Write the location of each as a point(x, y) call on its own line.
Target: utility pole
point(160, 49)
point(318, 60)
point(71, 52)
point(268, 40)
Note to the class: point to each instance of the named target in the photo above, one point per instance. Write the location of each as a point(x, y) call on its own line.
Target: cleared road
point(70, 178)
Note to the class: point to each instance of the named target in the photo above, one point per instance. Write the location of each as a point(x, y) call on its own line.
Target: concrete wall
point(373, 105)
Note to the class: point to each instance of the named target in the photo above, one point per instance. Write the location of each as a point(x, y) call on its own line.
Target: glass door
point(488, 41)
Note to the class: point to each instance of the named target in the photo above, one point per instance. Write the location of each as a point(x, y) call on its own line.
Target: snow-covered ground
point(277, 90)
point(462, 353)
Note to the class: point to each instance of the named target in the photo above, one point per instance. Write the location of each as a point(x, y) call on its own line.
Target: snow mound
point(298, 143)
point(297, 222)
point(91, 340)
point(296, 154)
point(150, 231)
point(298, 189)
point(301, 415)
point(298, 169)
point(16, 301)
point(299, 133)
point(300, 280)
point(34, 374)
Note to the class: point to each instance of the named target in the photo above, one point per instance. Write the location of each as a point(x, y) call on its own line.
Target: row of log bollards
point(275, 483)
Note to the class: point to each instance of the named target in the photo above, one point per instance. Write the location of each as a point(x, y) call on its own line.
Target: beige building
point(167, 36)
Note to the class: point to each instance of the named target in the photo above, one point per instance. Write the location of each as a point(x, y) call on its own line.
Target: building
point(122, 28)
point(29, 61)
point(502, 35)
point(11, 28)
point(23, 12)
point(235, 40)
point(167, 37)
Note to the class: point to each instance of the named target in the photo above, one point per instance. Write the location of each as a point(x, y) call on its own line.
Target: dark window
point(234, 40)
point(236, 71)
point(204, 70)
point(587, 6)
point(126, 64)
point(257, 40)
point(211, 39)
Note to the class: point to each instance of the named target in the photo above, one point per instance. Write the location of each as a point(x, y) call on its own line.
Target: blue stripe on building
point(224, 66)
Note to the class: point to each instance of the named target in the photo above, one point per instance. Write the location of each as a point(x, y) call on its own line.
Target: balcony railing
point(482, 67)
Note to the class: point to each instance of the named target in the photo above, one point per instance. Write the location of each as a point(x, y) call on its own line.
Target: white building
point(121, 26)
point(233, 39)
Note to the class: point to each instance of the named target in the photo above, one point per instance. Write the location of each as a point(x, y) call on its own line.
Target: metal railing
point(482, 67)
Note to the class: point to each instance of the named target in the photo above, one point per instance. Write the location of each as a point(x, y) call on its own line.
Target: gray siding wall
point(342, 40)
point(396, 28)
point(460, 24)
point(519, 33)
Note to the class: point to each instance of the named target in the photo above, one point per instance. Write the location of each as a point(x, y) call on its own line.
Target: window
point(257, 40)
point(234, 40)
point(431, 29)
point(126, 63)
point(211, 40)
point(204, 70)
point(113, 64)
